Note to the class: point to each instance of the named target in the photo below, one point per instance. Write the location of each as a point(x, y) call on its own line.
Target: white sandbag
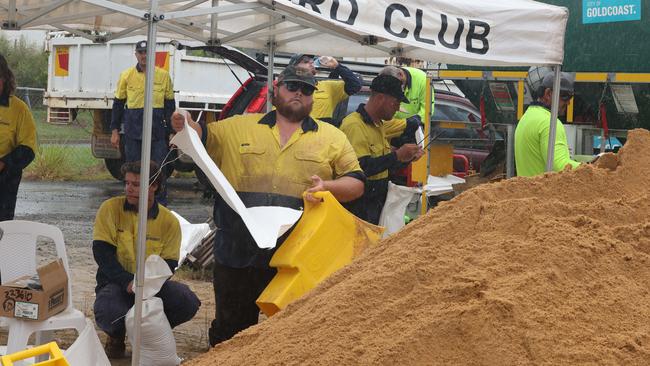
point(156, 272)
point(191, 236)
point(157, 345)
point(392, 215)
point(87, 349)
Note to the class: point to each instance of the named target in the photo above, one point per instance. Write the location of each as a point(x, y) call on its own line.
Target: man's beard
point(295, 112)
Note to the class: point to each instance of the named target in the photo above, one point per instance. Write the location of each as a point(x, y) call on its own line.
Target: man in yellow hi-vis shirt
point(367, 133)
point(114, 249)
point(330, 92)
point(128, 112)
point(270, 160)
point(17, 141)
point(410, 115)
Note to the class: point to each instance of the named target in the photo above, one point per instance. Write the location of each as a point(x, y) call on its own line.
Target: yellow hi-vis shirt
point(394, 127)
point(131, 87)
point(367, 139)
point(17, 127)
point(326, 97)
point(531, 143)
point(118, 226)
point(247, 150)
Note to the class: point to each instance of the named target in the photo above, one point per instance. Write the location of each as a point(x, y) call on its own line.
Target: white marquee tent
point(486, 33)
point(469, 32)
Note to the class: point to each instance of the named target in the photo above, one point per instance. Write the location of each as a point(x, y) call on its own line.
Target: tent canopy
point(486, 33)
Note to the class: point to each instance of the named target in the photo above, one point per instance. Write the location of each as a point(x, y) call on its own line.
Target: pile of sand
point(549, 270)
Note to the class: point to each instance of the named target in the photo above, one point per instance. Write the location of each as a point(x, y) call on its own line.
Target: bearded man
point(270, 159)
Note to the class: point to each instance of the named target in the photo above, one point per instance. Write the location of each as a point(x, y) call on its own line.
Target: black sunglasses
point(566, 96)
point(305, 89)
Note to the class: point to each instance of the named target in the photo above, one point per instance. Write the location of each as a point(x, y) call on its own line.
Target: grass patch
point(65, 162)
point(79, 130)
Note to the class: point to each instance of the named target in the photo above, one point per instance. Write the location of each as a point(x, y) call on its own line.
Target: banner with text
point(506, 32)
point(608, 11)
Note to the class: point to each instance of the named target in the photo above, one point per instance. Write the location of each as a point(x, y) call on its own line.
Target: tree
point(28, 63)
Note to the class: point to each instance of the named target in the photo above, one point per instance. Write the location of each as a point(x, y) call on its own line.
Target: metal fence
point(32, 96)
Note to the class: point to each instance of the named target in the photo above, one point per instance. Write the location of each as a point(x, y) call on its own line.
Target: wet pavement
point(43, 199)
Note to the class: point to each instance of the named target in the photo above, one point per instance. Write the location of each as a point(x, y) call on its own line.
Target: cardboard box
point(24, 298)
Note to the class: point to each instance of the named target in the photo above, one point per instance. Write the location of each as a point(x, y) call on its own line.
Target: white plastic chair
point(18, 258)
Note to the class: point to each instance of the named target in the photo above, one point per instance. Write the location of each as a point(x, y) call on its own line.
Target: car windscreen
point(446, 112)
point(354, 101)
point(441, 111)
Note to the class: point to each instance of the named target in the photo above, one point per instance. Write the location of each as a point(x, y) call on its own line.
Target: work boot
point(217, 334)
point(115, 347)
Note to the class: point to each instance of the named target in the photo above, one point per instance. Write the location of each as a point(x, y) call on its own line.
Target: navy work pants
point(369, 206)
point(112, 302)
point(8, 194)
point(235, 292)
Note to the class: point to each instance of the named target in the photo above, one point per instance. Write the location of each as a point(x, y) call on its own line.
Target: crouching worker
point(114, 249)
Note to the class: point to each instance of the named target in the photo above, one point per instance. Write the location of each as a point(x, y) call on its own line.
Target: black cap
point(390, 85)
point(299, 74)
point(141, 46)
point(297, 57)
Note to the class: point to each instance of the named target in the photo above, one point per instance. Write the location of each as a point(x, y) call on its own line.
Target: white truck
point(83, 75)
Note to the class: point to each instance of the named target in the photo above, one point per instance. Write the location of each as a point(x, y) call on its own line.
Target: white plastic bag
point(392, 215)
point(157, 345)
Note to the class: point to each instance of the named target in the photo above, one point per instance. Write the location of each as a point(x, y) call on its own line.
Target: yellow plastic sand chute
point(51, 349)
point(326, 238)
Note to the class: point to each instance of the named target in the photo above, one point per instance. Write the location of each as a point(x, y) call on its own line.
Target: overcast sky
point(36, 37)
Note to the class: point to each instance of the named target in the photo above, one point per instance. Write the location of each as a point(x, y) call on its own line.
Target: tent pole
point(424, 200)
point(269, 76)
point(144, 180)
point(553, 122)
point(510, 151)
point(214, 22)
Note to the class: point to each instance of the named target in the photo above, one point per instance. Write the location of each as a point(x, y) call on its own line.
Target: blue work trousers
point(112, 302)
